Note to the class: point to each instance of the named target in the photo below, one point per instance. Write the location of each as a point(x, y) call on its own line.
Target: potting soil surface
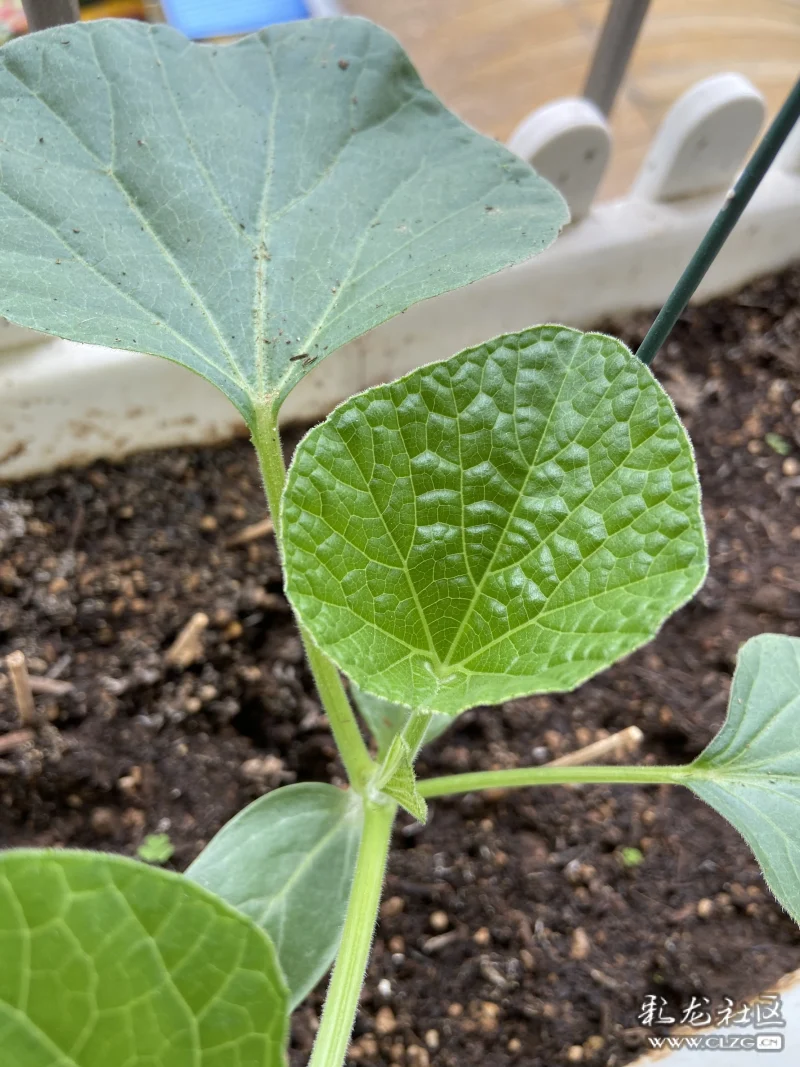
point(516, 927)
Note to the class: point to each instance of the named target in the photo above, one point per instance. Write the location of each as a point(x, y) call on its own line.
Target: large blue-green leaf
point(751, 770)
point(105, 962)
point(287, 862)
point(509, 521)
point(242, 210)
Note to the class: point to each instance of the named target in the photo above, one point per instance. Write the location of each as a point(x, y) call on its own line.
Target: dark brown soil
point(100, 569)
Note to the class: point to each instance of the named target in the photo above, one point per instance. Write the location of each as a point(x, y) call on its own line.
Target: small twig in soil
point(605, 981)
point(60, 666)
point(440, 941)
point(623, 743)
point(51, 687)
point(251, 533)
point(8, 742)
point(493, 975)
point(188, 646)
point(21, 682)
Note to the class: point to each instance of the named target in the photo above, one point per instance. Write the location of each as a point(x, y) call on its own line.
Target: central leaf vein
point(512, 513)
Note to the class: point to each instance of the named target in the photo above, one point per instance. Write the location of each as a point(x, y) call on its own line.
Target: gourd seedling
point(508, 521)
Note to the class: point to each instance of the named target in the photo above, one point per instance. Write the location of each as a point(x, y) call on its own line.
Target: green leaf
point(243, 210)
point(156, 848)
point(509, 521)
point(287, 862)
point(631, 857)
point(397, 779)
point(106, 961)
point(385, 719)
point(750, 773)
point(778, 444)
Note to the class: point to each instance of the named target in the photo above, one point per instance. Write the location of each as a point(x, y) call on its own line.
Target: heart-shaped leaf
point(386, 720)
point(509, 521)
point(287, 862)
point(751, 770)
point(108, 961)
point(243, 210)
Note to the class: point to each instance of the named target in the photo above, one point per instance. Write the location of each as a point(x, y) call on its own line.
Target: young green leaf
point(398, 781)
point(750, 773)
point(509, 521)
point(108, 961)
point(385, 719)
point(287, 862)
point(242, 210)
point(631, 857)
point(156, 848)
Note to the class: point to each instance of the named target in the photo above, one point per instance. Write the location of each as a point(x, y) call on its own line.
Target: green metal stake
point(727, 217)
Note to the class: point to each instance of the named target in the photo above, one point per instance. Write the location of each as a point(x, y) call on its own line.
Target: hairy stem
point(526, 776)
point(356, 758)
point(341, 1002)
point(267, 443)
point(414, 731)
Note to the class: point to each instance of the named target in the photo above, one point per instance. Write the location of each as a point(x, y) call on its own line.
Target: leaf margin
point(364, 683)
point(350, 818)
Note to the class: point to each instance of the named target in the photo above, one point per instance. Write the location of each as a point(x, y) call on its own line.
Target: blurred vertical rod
point(610, 60)
point(41, 14)
point(726, 218)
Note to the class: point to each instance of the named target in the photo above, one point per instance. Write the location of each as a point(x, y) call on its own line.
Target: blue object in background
point(210, 18)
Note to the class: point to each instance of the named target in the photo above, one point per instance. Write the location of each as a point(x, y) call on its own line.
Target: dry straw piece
point(254, 532)
point(623, 743)
point(17, 738)
point(187, 647)
point(21, 683)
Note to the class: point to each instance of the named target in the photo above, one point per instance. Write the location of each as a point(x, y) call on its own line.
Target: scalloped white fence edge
point(785, 1051)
